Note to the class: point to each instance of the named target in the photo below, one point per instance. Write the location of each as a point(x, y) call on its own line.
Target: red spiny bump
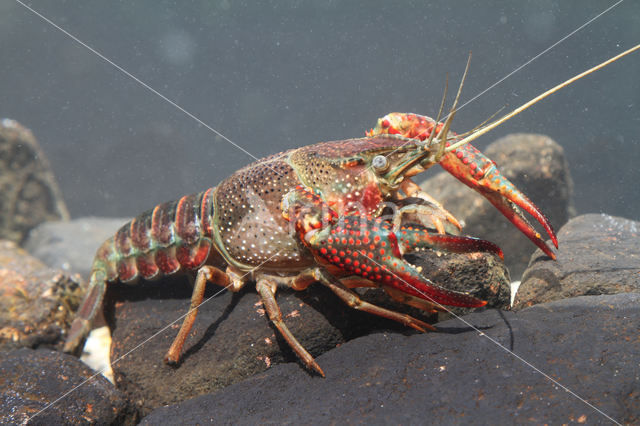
point(344, 241)
point(365, 240)
point(381, 252)
point(369, 268)
point(347, 260)
point(370, 254)
point(351, 241)
point(358, 242)
point(342, 254)
point(385, 123)
point(356, 263)
point(459, 154)
point(323, 250)
point(334, 251)
point(376, 238)
point(358, 271)
point(336, 259)
point(473, 166)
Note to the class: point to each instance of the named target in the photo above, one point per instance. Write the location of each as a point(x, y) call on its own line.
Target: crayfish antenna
point(489, 127)
point(442, 134)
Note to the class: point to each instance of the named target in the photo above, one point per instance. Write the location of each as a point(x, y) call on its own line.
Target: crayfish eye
point(380, 163)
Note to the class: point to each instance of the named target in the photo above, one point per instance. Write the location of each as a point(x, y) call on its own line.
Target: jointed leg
point(413, 301)
point(267, 291)
point(205, 273)
point(354, 301)
point(431, 209)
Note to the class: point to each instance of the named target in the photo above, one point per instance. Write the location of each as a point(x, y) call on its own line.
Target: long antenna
point(538, 98)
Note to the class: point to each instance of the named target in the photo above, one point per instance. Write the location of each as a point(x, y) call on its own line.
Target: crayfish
point(314, 214)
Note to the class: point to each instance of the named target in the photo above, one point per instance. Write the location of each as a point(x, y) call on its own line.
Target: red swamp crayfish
point(314, 214)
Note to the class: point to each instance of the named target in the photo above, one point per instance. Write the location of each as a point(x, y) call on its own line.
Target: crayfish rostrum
point(314, 214)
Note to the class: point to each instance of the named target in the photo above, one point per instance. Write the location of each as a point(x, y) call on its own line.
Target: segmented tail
point(171, 237)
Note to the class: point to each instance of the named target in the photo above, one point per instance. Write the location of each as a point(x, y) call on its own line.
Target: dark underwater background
point(275, 75)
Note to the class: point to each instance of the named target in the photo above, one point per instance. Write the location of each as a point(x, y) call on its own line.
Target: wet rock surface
point(233, 339)
point(588, 344)
point(71, 245)
point(37, 303)
point(30, 380)
point(30, 194)
point(537, 166)
point(599, 254)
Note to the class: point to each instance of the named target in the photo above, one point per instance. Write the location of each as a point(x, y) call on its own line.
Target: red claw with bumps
point(474, 169)
point(363, 246)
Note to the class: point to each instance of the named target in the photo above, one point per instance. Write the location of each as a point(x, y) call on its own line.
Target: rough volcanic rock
point(588, 344)
point(537, 166)
point(71, 245)
point(31, 380)
point(29, 191)
point(36, 302)
point(233, 339)
point(599, 254)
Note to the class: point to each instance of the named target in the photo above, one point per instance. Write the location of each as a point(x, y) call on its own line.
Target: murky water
point(288, 73)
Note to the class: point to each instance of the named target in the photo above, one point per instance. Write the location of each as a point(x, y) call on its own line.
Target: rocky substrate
point(600, 254)
point(587, 344)
point(37, 303)
point(44, 387)
point(30, 194)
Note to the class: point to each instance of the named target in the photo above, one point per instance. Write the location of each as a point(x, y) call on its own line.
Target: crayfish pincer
point(314, 214)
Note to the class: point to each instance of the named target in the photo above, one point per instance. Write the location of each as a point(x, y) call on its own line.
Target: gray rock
point(31, 380)
point(36, 302)
point(29, 191)
point(588, 344)
point(71, 246)
point(537, 166)
point(599, 254)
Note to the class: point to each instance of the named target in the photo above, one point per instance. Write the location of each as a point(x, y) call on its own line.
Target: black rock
point(598, 254)
point(537, 166)
point(31, 380)
point(232, 338)
point(587, 344)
